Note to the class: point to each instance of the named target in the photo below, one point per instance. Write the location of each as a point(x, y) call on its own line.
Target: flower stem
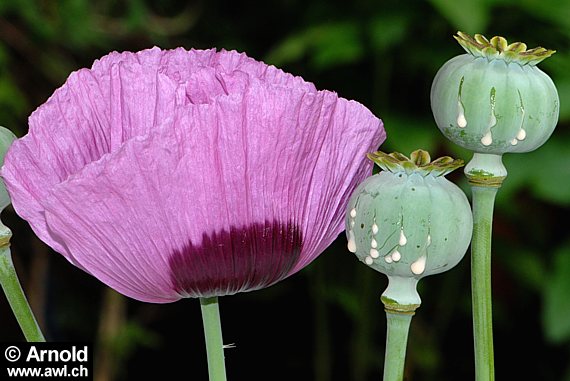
point(214, 342)
point(483, 202)
point(486, 173)
point(396, 343)
point(13, 290)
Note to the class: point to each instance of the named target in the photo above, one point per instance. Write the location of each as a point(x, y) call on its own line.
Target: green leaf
point(387, 31)
point(558, 67)
point(346, 298)
point(545, 171)
point(554, 11)
point(470, 16)
point(291, 49)
point(527, 266)
point(325, 45)
point(516, 179)
point(549, 172)
point(77, 23)
point(563, 86)
point(12, 99)
point(556, 311)
point(336, 43)
point(132, 336)
point(407, 134)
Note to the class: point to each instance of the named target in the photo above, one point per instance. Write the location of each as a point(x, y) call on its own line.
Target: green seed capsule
point(6, 139)
point(494, 99)
point(409, 221)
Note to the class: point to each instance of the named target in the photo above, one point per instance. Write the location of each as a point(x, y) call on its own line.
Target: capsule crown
point(499, 48)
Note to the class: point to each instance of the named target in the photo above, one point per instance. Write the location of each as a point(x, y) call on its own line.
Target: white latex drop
point(487, 139)
point(461, 121)
point(374, 229)
point(351, 242)
point(419, 266)
point(403, 240)
point(396, 256)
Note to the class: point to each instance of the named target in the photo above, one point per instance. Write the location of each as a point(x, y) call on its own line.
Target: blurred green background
point(327, 322)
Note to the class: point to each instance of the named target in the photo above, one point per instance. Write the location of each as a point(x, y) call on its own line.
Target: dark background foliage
point(327, 322)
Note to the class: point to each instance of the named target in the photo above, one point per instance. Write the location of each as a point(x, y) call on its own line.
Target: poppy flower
point(174, 173)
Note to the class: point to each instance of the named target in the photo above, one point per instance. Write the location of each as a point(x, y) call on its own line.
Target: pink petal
point(190, 173)
point(46, 156)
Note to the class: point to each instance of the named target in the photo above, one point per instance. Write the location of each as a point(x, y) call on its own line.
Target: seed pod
point(409, 221)
point(6, 139)
point(494, 99)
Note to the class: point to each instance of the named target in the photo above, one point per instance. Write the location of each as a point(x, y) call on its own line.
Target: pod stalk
point(398, 327)
point(14, 292)
point(486, 174)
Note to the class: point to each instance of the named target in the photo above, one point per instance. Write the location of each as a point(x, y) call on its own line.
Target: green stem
point(486, 174)
point(13, 290)
point(214, 342)
point(483, 202)
point(396, 343)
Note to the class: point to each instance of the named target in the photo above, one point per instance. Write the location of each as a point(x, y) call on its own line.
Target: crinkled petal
point(113, 216)
point(212, 174)
point(67, 132)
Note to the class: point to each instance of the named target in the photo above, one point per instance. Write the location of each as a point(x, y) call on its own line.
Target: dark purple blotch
point(243, 259)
